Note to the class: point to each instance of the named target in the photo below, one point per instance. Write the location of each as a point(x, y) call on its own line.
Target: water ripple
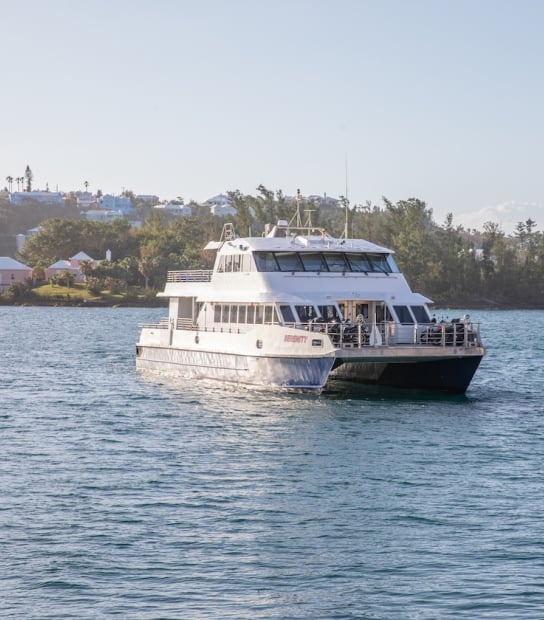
point(126, 496)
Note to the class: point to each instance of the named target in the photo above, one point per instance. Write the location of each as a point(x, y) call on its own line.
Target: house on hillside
point(11, 271)
point(45, 198)
point(220, 205)
point(73, 266)
point(97, 214)
point(175, 209)
point(117, 203)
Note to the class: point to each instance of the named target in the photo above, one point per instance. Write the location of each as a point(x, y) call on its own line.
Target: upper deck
point(294, 263)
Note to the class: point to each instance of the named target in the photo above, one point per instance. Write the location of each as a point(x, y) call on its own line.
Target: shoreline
point(129, 303)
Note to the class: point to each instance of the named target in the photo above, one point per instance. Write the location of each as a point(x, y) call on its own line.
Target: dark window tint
point(306, 313)
point(379, 263)
point(329, 313)
point(421, 314)
point(336, 261)
point(265, 261)
point(289, 261)
point(287, 314)
point(313, 262)
point(403, 314)
point(359, 262)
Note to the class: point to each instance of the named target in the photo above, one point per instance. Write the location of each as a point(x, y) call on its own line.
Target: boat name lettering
point(293, 338)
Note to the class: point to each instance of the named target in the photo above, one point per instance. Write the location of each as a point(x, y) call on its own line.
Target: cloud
point(506, 214)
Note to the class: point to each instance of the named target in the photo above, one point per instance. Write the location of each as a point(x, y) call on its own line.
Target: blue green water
point(126, 496)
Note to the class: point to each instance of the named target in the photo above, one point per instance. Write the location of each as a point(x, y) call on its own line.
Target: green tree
point(243, 218)
point(28, 179)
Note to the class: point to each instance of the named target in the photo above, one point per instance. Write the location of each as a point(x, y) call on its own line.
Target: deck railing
point(357, 335)
point(350, 335)
point(190, 275)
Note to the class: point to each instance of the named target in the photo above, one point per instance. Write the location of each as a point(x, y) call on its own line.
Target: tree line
point(448, 263)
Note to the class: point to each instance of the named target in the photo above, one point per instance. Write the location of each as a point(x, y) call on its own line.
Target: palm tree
point(86, 267)
point(147, 266)
point(86, 183)
point(10, 183)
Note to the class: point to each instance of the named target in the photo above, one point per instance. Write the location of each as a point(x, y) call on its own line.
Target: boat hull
point(449, 375)
point(290, 374)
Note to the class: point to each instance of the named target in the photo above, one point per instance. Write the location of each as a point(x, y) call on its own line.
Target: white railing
point(190, 275)
point(357, 335)
point(164, 323)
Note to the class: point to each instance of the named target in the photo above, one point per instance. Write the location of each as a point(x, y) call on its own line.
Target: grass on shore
point(79, 292)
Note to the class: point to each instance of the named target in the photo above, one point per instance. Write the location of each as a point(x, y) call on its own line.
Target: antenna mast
point(299, 218)
point(347, 199)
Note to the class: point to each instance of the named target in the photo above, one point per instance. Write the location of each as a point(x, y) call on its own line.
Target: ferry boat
point(298, 310)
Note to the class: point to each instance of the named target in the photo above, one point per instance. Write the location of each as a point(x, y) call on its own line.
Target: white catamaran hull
point(281, 373)
point(274, 358)
point(282, 359)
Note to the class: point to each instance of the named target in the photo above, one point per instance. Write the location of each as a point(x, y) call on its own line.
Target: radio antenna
point(346, 201)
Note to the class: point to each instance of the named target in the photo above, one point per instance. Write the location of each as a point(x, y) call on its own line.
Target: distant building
point(323, 201)
point(11, 271)
point(46, 198)
point(220, 210)
point(320, 201)
point(117, 203)
point(174, 209)
point(73, 266)
point(220, 201)
point(96, 214)
point(85, 200)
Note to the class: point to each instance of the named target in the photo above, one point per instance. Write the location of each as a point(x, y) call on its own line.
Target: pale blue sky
point(439, 100)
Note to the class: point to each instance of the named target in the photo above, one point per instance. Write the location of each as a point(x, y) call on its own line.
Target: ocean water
point(124, 496)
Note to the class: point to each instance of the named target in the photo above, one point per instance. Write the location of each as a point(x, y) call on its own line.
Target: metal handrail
point(190, 275)
point(346, 335)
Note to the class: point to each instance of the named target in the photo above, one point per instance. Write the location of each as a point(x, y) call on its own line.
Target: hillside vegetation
point(449, 264)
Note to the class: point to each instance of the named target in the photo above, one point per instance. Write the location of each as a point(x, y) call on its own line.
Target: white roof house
point(220, 199)
point(79, 257)
point(12, 270)
point(222, 210)
point(175, 209)
point(73, 265)
point(6, 262)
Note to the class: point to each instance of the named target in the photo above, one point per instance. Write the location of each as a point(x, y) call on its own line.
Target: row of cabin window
point(241, 313)
point(308, 261)
point(416, 314)
point(266, 313)
point(259, 313)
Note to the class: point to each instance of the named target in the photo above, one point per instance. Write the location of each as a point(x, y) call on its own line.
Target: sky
point(432, 99)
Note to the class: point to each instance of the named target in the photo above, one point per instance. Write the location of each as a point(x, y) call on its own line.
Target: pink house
point(72, 265)
point(12, 270)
